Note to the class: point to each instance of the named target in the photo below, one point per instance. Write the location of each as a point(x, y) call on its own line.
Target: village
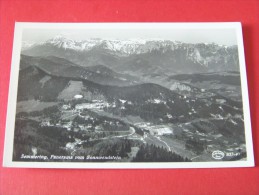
point(84, 117)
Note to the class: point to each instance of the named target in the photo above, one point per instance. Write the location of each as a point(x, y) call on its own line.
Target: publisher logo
point(218, 155)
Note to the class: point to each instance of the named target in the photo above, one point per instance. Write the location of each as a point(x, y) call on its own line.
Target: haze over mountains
point(63, 68)
point(139, 56)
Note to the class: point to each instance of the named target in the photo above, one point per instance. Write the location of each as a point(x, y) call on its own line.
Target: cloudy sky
point(220, 36)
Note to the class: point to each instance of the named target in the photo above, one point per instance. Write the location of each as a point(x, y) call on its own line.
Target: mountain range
point(140, 56)
point(63, 68)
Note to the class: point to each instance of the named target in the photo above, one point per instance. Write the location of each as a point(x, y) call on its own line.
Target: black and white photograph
point(128, 95)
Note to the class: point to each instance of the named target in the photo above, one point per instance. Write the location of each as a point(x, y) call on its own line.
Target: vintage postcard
point(128, 95)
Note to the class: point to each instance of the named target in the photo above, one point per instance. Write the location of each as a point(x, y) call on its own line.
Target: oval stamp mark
point(218, 154)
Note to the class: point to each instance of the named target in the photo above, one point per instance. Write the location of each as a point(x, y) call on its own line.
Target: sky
point(218, 36)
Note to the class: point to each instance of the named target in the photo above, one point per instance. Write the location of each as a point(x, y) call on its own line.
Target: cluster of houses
point(70, 126)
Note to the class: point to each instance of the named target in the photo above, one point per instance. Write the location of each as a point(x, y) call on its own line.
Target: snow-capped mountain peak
point(126, 47)
point(26, 45)
point(62, 42)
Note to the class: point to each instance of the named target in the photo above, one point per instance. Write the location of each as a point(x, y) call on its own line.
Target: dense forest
point(29, 135)
point(152, 153)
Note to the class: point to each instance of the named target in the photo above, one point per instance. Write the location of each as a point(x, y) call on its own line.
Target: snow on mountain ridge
point(26, 45)
point(128, 46)
point(63, 42)
point(204, 54)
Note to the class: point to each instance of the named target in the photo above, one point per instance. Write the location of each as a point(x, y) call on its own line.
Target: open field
point(33, 105)
point(73, 88)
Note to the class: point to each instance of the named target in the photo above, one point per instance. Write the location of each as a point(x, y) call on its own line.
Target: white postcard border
point(10, 122)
